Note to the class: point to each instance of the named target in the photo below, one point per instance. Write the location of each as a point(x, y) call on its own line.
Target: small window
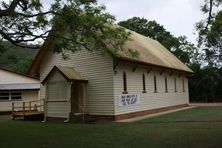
point(166, 87)
point(155, 85)
point(4, 96)
point(144, 83)
point(175, 84)
point(124, 83)
point(10, 95)
point(16, 95)
point(183, 85)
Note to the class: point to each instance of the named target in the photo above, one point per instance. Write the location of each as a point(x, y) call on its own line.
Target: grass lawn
point(196, 127)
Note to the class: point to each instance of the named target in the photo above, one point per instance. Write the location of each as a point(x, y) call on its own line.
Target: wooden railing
point(28, 106)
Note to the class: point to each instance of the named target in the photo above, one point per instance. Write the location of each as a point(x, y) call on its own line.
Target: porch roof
point(68, 72)
point(20, 86)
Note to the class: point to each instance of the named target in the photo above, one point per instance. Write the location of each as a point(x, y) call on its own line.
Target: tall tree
point(75, 24)
point(210, 32)
point(205, 85)
point(151, 29)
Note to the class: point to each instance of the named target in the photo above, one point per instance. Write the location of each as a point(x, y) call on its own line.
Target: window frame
point(124, 83)
point(4, 96)
point(144, 83)
point(175, 84)
point(155, 84)
point(183, 83)
point(166, 85)
point(59, 94)
point(10, 95)
point(16, 94)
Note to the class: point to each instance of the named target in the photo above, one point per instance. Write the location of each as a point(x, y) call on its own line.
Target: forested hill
point(16, 58)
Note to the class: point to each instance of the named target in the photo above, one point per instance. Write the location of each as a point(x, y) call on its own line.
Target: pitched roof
point(68, 72)
point(20, 86)
point(151, 52)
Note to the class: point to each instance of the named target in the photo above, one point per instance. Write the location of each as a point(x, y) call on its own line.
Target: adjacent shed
point(16, 87)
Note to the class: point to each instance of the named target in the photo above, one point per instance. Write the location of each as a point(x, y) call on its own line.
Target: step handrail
point(38, 105)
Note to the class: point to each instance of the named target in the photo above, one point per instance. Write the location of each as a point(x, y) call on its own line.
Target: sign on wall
point(129, 99)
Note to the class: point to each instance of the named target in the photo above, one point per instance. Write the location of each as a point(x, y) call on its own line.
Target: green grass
point(197, 127)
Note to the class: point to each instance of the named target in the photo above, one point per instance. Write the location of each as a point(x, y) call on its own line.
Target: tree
point(206, 83)
point(74, 24)
point(210, 32)
point(23, 64)
point(208, 8)
point(179, 46)
point(151, 29)
point(16, 58)
point(187, 52)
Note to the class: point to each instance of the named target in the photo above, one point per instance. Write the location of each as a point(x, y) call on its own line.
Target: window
point(155, 85)
point(166, 87)
point(175, 84)
point(16, 95)
point(57, 90)
point(124, 83)
point(144, 83)
point(10, 95)
point(183, 85)
point(4, 96)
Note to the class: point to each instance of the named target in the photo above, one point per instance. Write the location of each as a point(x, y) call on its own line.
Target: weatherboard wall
point(7, 77)
point(58, 96)
point(149, 100)
point(97, 68)
point(6, 105)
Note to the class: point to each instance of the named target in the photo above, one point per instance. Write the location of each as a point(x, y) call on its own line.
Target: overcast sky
point(177, 16)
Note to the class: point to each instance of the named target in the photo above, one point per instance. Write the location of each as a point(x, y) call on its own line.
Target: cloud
point(178, 17)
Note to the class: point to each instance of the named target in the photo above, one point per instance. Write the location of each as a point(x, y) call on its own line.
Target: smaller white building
point(16, 87)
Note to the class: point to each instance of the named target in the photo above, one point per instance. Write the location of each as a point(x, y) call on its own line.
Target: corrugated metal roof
point(152, 52)
point(71, 73)
point(21, 86)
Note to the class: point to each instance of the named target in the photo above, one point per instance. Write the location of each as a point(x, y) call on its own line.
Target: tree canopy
point(206, 84)
point(16, 58)
point(210, 32)
point(74, 24)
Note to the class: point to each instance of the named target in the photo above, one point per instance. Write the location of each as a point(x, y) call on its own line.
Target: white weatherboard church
point(105, 87)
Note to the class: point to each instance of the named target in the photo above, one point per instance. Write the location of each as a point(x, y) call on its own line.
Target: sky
point(177, 16)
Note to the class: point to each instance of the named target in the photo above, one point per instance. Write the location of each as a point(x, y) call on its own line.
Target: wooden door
point(74, 98)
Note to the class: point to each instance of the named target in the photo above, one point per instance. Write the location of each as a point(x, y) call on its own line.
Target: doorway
point(77, 97)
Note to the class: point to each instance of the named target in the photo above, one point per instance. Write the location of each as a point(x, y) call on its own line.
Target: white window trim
point(10, 96)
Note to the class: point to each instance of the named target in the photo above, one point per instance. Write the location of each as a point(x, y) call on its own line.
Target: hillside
point(16, 58)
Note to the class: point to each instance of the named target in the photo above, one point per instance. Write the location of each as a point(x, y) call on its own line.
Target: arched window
point(175, 84)
point(155, 85)
point(124, 82)
point(144, 83)
point(183, 85)
point(166, 87)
